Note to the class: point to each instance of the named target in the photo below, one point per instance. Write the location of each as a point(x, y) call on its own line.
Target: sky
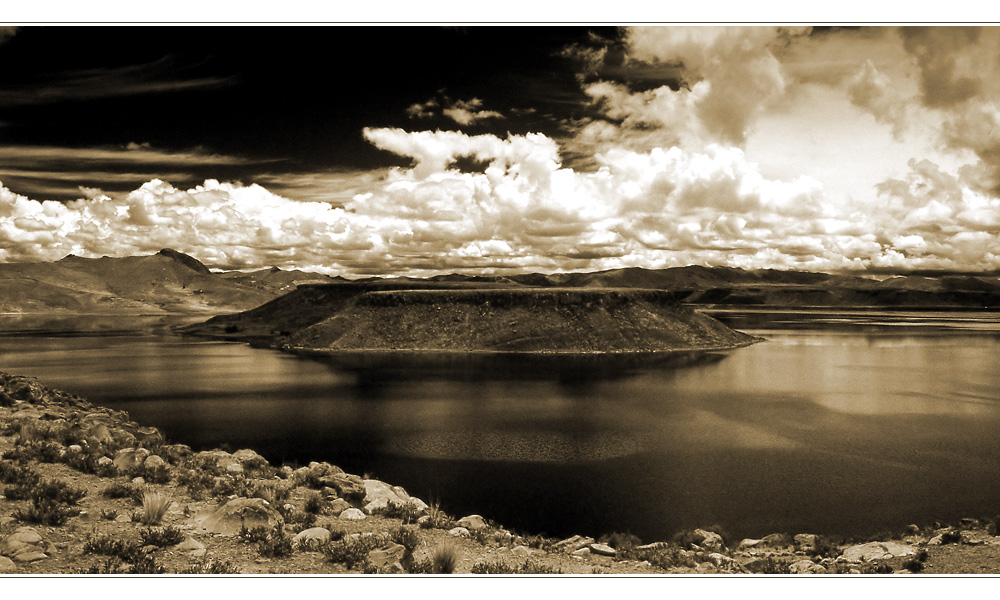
point(504, 149)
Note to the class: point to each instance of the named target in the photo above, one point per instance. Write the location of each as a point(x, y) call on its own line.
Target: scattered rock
point(805, 542)
point(581, 553)
point(602, 549)
point(748, 543)
point(719, 560)
point(104, 461)
point(191, 546)
point(806, 567)
point(139, 481)
point(352, 514)
point(29, 556)
point(522, 551)
point(229, 518)
point(472, 522)
point(311, 538)
point(571, 545)
point(123, 519)
point(877, 551)
point(459, 532)
point(337, 506)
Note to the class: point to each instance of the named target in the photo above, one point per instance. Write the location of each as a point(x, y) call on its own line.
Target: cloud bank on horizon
point(784, 148)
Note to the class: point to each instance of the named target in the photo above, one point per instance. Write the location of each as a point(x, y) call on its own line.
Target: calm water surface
point(840, 423)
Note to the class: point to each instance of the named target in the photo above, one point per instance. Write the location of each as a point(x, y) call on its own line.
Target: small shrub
point(444, 558)
point(212, 567)
point(352, 550)
point(109, 514)
point(621, 541)
point(952, 536)
point(161, 536)
point(46, 512)
point(768, 566)
point(154, 506)
point(275, 495)
point(58, 491)
point(528, 567)
point(408, 513)
point(314, 503)
point(825, 548)
point(437, 518)
point(157, 474)
point(664, 556)
point(126, 550)
point(913, 565)
point(199, 484)
point(121, 489)
point(13, 473)
point(271, 542)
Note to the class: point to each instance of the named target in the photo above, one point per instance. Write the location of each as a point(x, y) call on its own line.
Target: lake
point(840, 423)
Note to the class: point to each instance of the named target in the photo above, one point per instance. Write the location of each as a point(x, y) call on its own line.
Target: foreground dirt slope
point(86, 490)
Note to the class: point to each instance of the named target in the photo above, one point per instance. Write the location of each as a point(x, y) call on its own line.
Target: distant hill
point(166, 282)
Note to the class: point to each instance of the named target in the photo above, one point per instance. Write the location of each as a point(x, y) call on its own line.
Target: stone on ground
point(311, 538)
point(237, 513)
point(877, 551)
point(602, 549)
point(352, 514)
point(571, 545)
point(472, 522)
point(7, 565)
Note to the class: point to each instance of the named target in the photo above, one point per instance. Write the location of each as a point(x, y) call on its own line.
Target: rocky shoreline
point(85, 490)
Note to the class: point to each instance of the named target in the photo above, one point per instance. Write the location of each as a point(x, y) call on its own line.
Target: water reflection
point(822, 428)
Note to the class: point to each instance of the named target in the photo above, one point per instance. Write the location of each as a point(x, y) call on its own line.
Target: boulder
point(249, 456)
point(24, 540)
point(98, 433)
point(571, 545)
point(748, 543)
point(379, 495)
point(149, 436)
point(237, 513)
point(349, 487)
point(352, 514)
point(877, 551)
point(458, 532)
point(105, 461)
point(581, 553)
point(602, 549)
point(130, 459)
point(7, 565)
point(154, 462)
point(311, 538)
point(387, 559)
point(709, 540)
point(524, 552)
point(776, 540)
point(472, 522)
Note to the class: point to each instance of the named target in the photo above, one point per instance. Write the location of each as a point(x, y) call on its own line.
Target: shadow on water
point(372, 369)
